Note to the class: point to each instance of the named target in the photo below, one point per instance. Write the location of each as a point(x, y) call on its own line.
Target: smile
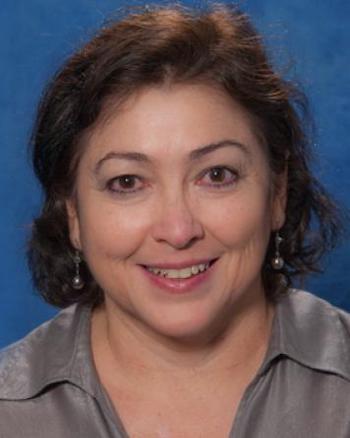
point(180, 273)
point(181, 277)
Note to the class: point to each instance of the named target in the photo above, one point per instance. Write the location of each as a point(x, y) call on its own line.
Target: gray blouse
point(49, 387)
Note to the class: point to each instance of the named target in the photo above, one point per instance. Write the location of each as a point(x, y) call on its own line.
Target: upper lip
point(179, 265)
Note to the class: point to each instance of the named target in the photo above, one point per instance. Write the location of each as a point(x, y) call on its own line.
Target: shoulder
point(305, 305)
point(314, 332)
point(40, 358)
point(48, 378)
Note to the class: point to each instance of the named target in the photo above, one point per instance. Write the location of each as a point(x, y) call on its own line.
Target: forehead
point(171, 119)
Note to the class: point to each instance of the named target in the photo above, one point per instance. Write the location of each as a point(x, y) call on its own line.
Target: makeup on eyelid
point(231, 170)
point(199, 153)
point(226, 177)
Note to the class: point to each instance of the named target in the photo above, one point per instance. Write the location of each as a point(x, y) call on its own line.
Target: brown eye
point(125, 184)
point(127, 181)
point(218, 174)
point(219, 177)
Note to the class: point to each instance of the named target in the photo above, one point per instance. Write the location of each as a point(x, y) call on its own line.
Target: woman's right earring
point(277, 261)
point(77, 282)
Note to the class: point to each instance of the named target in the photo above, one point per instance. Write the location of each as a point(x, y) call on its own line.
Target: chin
point(197, 326)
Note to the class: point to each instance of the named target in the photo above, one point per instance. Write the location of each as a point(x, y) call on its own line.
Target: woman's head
point(175, 183)
point(169, 49)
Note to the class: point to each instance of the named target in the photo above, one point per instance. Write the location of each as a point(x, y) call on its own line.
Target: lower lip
point(181, 285)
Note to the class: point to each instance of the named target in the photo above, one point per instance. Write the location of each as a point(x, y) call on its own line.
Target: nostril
point(187, 244)
point(176, 225)
point(175, 237)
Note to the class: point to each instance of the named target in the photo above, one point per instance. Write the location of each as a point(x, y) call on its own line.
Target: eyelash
point(123, 192)
point(234, 176)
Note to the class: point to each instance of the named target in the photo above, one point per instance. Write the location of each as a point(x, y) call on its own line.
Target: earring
point(77, 282)
point(277, 261)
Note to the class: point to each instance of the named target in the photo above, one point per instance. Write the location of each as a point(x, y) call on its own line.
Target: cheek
point(241, 221)
point(109, 230)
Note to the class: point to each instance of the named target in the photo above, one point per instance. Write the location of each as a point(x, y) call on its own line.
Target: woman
point(178, 211)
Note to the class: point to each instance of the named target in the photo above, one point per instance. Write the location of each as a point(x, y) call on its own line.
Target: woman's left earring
point(277, 261)
point(77, 282)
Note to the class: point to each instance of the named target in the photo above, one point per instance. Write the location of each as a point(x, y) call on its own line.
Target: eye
point(219, 177)
point(125, 184)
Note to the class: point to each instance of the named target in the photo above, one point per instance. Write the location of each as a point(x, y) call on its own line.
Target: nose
point(176, 223)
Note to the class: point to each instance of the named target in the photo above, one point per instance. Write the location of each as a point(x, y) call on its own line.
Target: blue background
point(37, 35)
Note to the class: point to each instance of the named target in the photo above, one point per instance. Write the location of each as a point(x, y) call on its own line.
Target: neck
point(135, 351)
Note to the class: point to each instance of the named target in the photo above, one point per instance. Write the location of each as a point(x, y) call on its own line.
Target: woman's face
point(173, 184)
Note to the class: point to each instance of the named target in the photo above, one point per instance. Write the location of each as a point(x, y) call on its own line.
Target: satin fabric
point(49, 387)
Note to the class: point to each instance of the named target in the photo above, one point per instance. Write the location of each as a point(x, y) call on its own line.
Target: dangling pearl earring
point(77, 282)
point(277, 261)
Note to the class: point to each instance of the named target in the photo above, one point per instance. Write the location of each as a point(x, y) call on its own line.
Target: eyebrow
point(194, 155)
point(129, 156)
point(205, 150)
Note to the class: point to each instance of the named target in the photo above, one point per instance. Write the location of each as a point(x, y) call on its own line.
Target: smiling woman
point(180, 208)
point(200, 195)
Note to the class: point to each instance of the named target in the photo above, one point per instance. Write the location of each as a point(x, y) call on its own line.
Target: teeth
point(180, 273)
point(195, 270)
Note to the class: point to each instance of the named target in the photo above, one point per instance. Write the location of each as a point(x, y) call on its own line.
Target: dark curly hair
point(218, 46)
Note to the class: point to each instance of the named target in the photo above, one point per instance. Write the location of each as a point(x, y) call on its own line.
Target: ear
point(279, 200)
point(73, 223)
